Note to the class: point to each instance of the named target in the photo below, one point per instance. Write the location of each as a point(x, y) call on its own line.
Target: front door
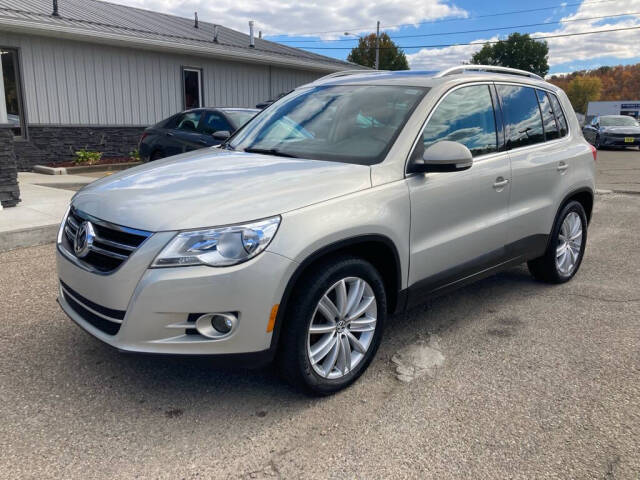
point(458, 219)
point(185, 136)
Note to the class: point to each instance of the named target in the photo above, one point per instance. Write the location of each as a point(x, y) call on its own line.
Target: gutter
point(216, 51)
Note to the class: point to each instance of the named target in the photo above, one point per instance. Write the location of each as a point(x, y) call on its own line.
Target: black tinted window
point(186, 121)
point(562, 121)
point(466, 116)
point(548, 118)
point(522, 115)
point(214, 122)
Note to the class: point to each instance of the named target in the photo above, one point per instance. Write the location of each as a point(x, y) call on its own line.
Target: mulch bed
point(103, 161)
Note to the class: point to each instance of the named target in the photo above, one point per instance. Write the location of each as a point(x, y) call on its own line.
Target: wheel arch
point(584, 196)
point(377, 249)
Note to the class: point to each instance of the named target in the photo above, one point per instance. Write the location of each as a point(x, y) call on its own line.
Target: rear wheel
point(334, 325)
point(596, 143)
point(566, 247)
point(157, 155)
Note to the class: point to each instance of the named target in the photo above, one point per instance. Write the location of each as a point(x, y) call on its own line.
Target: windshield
point(345, 123)
point(239, 117)
point(620, 121)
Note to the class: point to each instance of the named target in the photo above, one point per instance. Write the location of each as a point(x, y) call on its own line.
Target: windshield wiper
point(269, 151)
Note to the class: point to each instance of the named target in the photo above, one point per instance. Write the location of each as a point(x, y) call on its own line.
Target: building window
point(192, 87)
point(10, 102)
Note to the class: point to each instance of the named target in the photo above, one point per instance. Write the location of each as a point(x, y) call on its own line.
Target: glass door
point(10, 104)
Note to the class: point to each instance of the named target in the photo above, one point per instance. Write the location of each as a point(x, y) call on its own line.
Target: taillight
point(144, 135)
point(594, 151)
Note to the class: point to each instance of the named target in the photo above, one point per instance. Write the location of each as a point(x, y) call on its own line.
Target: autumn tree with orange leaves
point(621, 82)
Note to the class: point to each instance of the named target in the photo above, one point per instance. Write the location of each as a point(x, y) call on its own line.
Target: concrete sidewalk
point(36, 219)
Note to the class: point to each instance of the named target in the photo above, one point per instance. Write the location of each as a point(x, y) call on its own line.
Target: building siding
point(68, 82)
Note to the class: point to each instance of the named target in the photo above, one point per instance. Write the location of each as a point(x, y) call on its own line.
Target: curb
point(83, 169)
point(28, 237)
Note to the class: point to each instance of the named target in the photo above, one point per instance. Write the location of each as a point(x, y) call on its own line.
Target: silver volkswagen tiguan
point(351, 198)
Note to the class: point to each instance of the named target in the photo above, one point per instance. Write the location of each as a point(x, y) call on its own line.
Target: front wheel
point(566, 246)
point(333, 326)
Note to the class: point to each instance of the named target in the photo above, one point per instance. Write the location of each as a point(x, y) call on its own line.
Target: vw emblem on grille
point(84, 239)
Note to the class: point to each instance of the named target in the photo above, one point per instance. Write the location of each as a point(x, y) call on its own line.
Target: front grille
point(104, 319)
point(112, 244)
point(623, 135)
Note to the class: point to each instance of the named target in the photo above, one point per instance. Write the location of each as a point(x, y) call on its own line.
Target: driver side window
point(466, 116)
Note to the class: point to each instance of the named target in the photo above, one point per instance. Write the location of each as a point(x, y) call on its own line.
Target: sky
point(422, 27)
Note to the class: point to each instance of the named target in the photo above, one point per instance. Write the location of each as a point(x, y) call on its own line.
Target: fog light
point(216, 325)
point(222, 324)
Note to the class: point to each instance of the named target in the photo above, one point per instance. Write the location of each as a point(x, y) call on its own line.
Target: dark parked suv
point(191, 130)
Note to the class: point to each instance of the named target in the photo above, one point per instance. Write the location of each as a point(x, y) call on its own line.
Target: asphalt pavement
point(506, 378)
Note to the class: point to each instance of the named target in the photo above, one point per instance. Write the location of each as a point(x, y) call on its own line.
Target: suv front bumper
point(156, 308)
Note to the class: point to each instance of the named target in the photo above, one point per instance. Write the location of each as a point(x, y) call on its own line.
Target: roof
point(417, 78)
point(98, 21)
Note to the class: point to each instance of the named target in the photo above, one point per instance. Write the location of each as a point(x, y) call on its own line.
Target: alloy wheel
point(569, 244)
point(342, 328)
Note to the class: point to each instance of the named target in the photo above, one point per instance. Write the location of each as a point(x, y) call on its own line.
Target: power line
point(474, 31)
point(482, 43)
point(472, 17)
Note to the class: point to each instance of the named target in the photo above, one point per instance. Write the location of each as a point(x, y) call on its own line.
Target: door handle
point(562, 166)
point(500, 182)
point(169, 134)
point(203, 142)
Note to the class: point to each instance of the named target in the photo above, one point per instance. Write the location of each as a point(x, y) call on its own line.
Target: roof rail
point(487, 68)
point(344, 73)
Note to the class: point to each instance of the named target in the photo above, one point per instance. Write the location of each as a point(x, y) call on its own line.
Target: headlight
point(218, 247)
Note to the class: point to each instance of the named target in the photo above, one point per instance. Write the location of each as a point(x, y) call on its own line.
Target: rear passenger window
point(522, 115)
point(466, 116)
point(548, 118)
point(562, 121)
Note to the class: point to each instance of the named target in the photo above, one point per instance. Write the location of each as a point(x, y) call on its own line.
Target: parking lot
point(519, 380)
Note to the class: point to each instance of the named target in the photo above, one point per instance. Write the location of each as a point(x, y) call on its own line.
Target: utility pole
point(378, 46)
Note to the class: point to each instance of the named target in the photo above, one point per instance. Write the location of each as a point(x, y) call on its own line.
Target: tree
point(620, 82)
point(391, 57)
point(517, 51)
point(582, 90)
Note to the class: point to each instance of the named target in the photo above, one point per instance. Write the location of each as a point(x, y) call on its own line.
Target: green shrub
point(85, 157)
point(135, 155)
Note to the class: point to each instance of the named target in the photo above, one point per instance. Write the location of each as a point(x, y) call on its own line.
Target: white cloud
point(621, 45)
point(279, 17)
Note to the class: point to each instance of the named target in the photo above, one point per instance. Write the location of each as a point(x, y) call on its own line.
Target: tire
point(156, 155)
point(596, 143)
point(324, 281)
point(550, 267)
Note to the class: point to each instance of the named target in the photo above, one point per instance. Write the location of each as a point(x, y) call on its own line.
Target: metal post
point(195, 25)
point(55, 9)
point(378, 46)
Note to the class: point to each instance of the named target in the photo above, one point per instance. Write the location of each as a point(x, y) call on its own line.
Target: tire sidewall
point(570, 207)
point(304, 316)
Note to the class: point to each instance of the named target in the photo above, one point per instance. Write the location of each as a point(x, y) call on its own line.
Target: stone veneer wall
point(56, 144)
point(9, 190)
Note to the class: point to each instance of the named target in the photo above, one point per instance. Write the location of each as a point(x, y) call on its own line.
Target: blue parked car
point(191, 130)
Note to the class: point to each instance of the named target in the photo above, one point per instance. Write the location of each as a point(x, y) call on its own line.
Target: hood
point(213, 187)
point(621, 130)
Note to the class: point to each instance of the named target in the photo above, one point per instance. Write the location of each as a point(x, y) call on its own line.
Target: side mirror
point(443, 156)
point(221, 135)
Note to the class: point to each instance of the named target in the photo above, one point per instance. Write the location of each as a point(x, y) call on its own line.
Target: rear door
point(458, 219)
point(537, 143)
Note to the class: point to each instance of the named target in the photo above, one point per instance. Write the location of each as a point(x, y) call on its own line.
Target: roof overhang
point(174, 46)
